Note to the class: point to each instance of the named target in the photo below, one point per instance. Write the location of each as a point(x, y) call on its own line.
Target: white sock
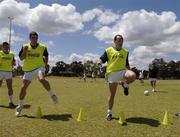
point(126, 85)
point(51, 92)
point(10, 99)
point(20, 102)
point(109, 111)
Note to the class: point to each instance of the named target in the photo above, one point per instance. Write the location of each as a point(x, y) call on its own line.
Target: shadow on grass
point(24, 107)
point(27, 106)
point(3, 106)
point(162, 91)
point(142, 120)
point(53, 117)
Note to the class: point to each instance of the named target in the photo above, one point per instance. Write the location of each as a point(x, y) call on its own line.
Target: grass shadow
point(53, 117)
point(142, 120)
point(3, 106)
point(115, 118)
point(161, 91)
point(27, 106)
point(62, 117)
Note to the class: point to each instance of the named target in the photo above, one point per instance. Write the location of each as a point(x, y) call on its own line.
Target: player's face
point(5, 48)
point(118, 42)
point(34, 39)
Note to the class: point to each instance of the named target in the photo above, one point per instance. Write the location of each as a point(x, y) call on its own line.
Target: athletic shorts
point(152, 79)
point(5, 75)
point(33, 74)
point(116, 76)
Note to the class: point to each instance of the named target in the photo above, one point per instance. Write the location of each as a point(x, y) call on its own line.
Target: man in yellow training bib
point(7, 62)
point(117, 70)
point(35, 61)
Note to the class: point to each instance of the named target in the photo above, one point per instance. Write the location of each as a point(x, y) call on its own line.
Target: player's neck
point(34, 45)
point(6, 52)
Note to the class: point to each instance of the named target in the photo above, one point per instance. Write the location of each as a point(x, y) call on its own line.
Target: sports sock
point(10, 99)
point(20, 102)
point(109, 111)
point(51, 92)
point(126, 85)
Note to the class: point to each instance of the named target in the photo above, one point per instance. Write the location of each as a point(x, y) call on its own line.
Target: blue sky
point(81, 29)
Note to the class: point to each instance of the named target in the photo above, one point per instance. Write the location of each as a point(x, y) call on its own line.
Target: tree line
point(167, 70)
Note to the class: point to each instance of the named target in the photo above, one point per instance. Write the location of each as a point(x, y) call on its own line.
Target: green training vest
point(6, 61)
point(116, 59)
point(34, 58)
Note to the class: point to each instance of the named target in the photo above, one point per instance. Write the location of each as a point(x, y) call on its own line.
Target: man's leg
point(10, 92)
point(129, 77)
point(154, 85)
point(112, 90)
point(22, 96)
point(1, 82)
point(46, 85)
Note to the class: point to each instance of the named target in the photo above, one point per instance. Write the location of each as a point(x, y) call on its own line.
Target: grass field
point(144, 114)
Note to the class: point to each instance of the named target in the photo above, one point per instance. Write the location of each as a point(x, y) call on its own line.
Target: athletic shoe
point(54, 98)
point(178, 114)
point(18, 110)
point(109, 117)
point(11, 105)
point(153, 90)
point(126, 91)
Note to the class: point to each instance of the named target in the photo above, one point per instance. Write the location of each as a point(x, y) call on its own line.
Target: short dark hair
point(115, 37)
point(5, 44)
point(33, 33)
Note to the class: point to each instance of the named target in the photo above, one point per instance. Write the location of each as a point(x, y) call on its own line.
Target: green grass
point(144, 114)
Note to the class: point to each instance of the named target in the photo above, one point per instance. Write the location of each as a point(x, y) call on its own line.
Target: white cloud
point(55, 58)
point(4, 31)
point(49, 44)
point(104, 16)
point(54, 19)
point(85, 57)
point(17, 10)
point(148, 34)
point(89, 15)
point(107, 17)
point(141, 57)
point(73, 57)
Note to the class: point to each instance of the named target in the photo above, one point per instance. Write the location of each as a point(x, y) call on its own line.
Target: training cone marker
point(166, 119)
point(80, 116)
point(122, 119)
point(39, 113)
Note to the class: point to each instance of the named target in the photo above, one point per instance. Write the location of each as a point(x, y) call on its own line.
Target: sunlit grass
point(144, 114)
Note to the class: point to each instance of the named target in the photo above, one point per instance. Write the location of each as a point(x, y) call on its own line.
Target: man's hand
point(47, 68)
point(25, 48)
point(99, 62)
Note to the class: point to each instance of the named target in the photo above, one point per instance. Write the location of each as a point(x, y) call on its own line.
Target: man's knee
point(130, 76)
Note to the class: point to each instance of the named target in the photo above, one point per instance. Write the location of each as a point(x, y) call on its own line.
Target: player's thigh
point(41, 73)
point(116, 76)
point(9, 83)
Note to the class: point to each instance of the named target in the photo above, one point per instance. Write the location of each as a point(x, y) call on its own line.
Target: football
point(146, 92)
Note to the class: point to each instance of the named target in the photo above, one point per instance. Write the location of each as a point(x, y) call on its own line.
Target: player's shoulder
point(11, 52)
point(42, 44)
point(124, 49)
point(109, 48)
